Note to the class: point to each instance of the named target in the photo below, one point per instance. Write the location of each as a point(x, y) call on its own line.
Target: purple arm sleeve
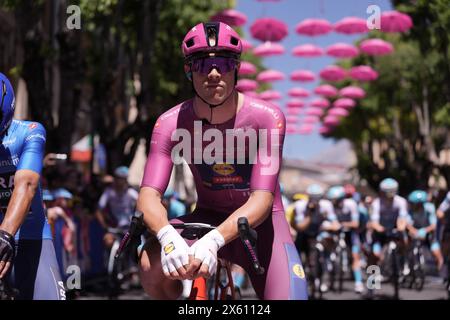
point(270, 150)
point(159, 162)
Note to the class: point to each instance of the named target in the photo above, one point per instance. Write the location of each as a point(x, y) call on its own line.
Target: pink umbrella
point(307, 50)
point(326, 90)
point(351, 25)
point(294, 111)
point(291, 119)
point(298, 92)
point(295, 103)
point(268, 49)
point(231, 17)
point(342, 50)
point(311, 119)
point(320, 103)
point(269, 29)
point(244, 85)
point(325, 130)
point(331, 120)
point(339, 112)
point(291, 128)
point(363, 73)
point(352, 92)
point(394, 21)
point(314, 112)
point(246, 45)
point(305, 129)
point(344, 103)
point(376, 47)
point(313, 27)
point(270, 75)
point(247, 68)
point(333, 73)
point(253, 94)
point(302, 75)
point(270, 95)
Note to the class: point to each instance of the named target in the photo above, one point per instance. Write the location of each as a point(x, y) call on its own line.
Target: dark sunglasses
point(3, 94)
point(204, 65)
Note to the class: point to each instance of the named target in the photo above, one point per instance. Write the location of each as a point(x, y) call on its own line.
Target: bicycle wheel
point(395, 273)
point(113, 271)
point(419, 269)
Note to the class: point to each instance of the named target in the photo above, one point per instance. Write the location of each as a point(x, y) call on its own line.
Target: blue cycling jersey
point(22, 147)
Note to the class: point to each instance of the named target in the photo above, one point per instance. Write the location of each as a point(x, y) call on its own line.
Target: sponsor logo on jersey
point(36, 135)
point(8, 142)
point(223, 169)
point(13, 161)
point(298, 271)
point(169, 248)
point(32, 126)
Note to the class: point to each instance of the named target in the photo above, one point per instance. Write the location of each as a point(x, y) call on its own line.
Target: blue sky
point(292, 12)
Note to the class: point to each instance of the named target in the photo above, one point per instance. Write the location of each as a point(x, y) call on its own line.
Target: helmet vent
point(234, 41)
point(190, 42)
point(212, 36)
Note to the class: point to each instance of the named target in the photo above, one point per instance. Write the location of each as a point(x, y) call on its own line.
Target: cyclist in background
point(174, 207)
point(346, 211)
point(117, 204)
point(389, 214)
point(27, 254)
point(422, 223)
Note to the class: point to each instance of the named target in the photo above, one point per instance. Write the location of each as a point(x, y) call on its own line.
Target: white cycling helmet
point(389, 185)
point(315, 192)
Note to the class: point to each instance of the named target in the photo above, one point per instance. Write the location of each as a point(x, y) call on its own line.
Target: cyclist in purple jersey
point(233, 145)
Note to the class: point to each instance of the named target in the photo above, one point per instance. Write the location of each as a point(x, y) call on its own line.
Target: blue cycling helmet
point(389, 185)
point(315, 191)
point(47, 195)
point(7, 100)
point(417, 196)
point(62, 193)
point(336, 193)
point(121, 172)
point(169, 193)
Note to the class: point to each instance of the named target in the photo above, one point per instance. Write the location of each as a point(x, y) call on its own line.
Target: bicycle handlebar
point(249, 237)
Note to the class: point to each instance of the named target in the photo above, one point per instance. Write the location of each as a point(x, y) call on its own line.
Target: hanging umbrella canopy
point(268, 49)
point(307, 51)
point(295, 103)
point(314, 112)
point(302, 75)
point(269, 29)
point(342, 50)
point(253, 94)
point(246, 45)
point(244, 85)
point(305, 129)
point(269, 95)
point(247, 68)
point(344, 103)
point(333, 73)
point(310, 119)
point(294, 111)
point(291, 128)
point(291, 119)
point(339, 112)
point(325, 130)
point(351, 25)
point(298, 92)
point(320, 103)
point(395, 21)
point(376, 47)
point(231, 17)
point(352, 92)
point(313, 27)
point(363, 73)
point(331, 120)
point(270, 75)
point(326, 90)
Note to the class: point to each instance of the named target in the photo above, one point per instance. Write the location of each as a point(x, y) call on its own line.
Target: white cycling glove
point(174, 249)
point(205, 249)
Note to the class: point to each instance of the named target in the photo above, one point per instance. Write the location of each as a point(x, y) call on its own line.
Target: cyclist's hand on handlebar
point(204, 255)
point(174, 253)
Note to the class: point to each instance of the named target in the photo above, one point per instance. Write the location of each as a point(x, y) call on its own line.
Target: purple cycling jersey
point(226, 185)
point(225, 174)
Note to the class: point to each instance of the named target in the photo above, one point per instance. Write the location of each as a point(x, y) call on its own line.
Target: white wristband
point(216, 237)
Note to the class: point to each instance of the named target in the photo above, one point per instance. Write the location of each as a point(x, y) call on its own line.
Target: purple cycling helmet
point(211, 37)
